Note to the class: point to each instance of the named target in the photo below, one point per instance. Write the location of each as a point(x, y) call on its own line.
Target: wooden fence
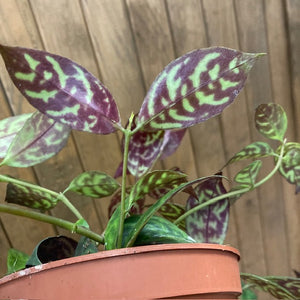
point(126, 43)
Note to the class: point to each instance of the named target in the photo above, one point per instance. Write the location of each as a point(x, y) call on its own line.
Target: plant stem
point(235, 192)
point(59, 196)
point(73, 227)
point(127, 134)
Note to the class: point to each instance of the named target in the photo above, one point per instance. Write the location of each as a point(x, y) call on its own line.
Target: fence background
point(126, 43)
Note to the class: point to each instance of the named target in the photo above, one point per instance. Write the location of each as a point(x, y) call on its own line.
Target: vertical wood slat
point(127, 43)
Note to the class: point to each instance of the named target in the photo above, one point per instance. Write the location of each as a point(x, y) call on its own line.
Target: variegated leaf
point(271, 121)
point(9, 127)
point(171, 142)
point(247, 176)
point(93, 184)
point(254, 150)
point(194, 88)
point(278, 287)
point(30, 197)
point(39, 139)
point(172, 212)
point(290, 166)
point(156, 180)
point(208, 225)
point(61, 89)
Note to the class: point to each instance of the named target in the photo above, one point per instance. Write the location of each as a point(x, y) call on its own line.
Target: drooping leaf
point(247, 176)
point(51, 249)
point(16, 260)
point(30, 196)
point(290, 166)
point(145, 217)
point(172, 212)
point(254, 150)
point(157, 231)
point(278, 287)
point(93, 184)
point(247, 293)
point(271, 121)
point(171, 142)
point(156, 180)
point(194, 88)
point(208, 225)
point(9, 127)
point(39, 139)
point(85, 246)
point(61, 89)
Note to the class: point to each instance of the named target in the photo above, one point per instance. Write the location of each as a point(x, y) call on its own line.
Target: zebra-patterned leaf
point(39, 139)
point(171, 142)
point(9, 127)
point(30, 197)
point(156, 180)
point(194, 88)
point(208, 225)
point(278, 287)
point(93, 184)
point(61, 89)
point(247, 176)
point(271, 121)
point(290, 166)
point(172, 212)
point(254, 150)
point(157, 231)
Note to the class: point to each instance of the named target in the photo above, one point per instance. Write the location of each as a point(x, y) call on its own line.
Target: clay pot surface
point(174, 271)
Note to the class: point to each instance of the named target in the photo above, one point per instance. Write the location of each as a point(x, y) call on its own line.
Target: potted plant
point(183, 241)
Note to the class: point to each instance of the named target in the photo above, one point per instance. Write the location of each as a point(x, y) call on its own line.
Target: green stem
point(59, 196)
point(235, 192)
point(127, 134)
point(73, 227)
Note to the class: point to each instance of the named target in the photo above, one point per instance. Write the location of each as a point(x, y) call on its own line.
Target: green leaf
point(85, 246)
point(247, 293)
point(30, 196)
point(194, 88)
point(16, 260)
point(290, 166)
point(247, 176)
point(93, 184)
point(112, 229)
point(278, 287)
point(9, 127)
point(254, 150)
point(271, 121)
point(172, 212)
point(157, 231)
point(39, 139)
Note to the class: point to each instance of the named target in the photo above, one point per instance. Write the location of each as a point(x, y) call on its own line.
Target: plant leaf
point(157, 231)
point(39, 139)
point(32, 197)
point(290, 166)
point(61, 89)
point(171, 142)
point(278, 287)
point(254, 150)
point(16, 260)
point(194, 88)
point(85, 246)
point(208, 225)
point(271, 121)
point(247, 176)
point(172, 212)
point(247, 293)
point(156, 180)
point(9, 127)
point(93, 184)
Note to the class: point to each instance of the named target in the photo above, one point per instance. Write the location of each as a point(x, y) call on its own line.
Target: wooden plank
point(155, 50)
point(252, 34)
point(64, 31)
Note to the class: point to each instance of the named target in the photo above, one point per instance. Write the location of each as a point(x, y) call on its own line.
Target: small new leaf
point(271, 121)
point(93, 184)
point(16, 260)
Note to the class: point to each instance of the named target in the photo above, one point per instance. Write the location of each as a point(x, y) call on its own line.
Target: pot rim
point(119, 252)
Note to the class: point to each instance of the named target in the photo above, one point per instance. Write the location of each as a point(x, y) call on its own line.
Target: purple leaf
point(171, 142)
point(39, 139)
point(9, 127)
point(61, 89)
point(208, 225)
point(194, 88)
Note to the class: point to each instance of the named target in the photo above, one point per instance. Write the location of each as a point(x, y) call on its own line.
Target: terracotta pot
point(175, 271)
